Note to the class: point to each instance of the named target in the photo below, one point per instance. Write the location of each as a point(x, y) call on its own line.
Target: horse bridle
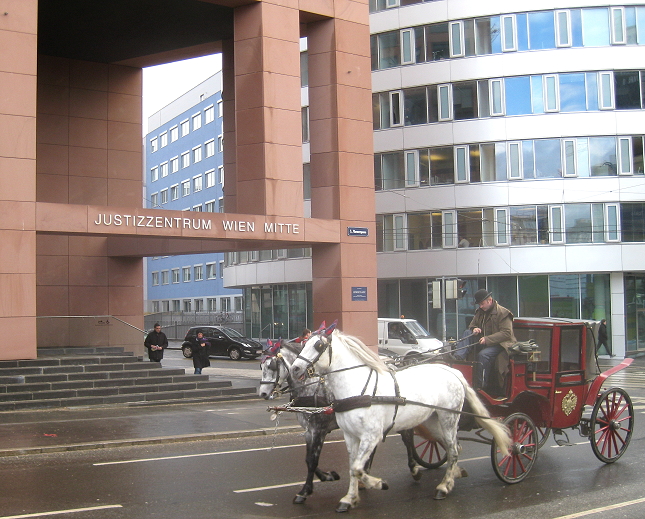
point(321, 345)
point(274, 365)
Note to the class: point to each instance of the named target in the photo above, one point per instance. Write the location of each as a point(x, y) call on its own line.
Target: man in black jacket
point(156, 342)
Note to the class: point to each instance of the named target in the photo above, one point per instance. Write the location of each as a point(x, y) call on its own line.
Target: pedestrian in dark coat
point(200, 349)
point(603, 338)
point(156, 342)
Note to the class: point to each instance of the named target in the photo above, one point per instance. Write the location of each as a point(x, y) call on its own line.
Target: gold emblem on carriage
point(569, 402)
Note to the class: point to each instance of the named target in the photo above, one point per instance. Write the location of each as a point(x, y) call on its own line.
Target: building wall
point(88, 152)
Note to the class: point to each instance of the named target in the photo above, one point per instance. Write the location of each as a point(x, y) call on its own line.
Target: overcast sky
point(165, 83)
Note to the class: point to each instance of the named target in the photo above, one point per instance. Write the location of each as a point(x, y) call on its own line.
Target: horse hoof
point(417, 475)
point(334, 475)
point(343, 507)
point(384, 485)
point(440, 494)
point(464, 473)
point(298, 500)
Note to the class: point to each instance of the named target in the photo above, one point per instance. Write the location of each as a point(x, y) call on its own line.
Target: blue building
point(184, 171)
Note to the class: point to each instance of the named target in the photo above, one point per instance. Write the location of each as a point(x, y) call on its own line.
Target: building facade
point(509, 156)
point(184, 171)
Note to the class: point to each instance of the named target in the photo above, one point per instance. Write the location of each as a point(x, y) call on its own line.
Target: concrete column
point(342, 168)
point(268, 134)
point(18, 64)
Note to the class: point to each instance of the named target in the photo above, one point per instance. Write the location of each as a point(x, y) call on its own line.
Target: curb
point(149, 441)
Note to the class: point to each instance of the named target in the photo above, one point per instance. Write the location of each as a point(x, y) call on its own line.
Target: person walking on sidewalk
point(200, 349)
point(156, 342)
point(603, 338)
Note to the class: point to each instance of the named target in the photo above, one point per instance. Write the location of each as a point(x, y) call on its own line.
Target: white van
point(403, 337)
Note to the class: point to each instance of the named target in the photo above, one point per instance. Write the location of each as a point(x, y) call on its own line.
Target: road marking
point(285, 485)
point(59, 512)
point(240, 451)
point(599, 510)
point(552, 446)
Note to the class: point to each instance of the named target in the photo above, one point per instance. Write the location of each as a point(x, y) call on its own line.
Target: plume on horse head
point(360, 350)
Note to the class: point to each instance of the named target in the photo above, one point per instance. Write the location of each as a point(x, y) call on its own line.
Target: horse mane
point(358, 348)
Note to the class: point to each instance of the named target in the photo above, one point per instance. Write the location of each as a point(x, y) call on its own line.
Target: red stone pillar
point(18, 63)
point(342, 168)
point(268, 165)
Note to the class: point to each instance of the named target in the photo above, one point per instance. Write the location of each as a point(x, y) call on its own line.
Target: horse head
point(275, 372)
point(312, 353)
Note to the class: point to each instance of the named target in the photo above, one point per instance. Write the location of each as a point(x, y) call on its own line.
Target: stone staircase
point(78, 377)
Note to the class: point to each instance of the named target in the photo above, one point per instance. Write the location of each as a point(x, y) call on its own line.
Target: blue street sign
point(357, 231)
point(359, 293)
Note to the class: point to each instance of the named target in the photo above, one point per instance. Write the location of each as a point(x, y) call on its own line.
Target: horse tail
point(498, 430)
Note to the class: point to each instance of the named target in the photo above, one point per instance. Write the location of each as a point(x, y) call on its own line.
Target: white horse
point(429, 395)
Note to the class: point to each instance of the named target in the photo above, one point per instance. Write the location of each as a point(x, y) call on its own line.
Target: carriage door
point(569, 383)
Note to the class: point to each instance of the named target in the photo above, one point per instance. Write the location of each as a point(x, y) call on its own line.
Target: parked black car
point(224, 341)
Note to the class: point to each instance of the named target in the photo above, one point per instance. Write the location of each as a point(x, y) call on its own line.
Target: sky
point(165, 83)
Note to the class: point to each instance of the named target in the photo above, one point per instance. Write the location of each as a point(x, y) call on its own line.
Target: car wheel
point(234, 353)
point(188, 353)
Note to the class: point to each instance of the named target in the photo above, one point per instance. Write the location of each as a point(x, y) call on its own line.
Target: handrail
point(86, 316)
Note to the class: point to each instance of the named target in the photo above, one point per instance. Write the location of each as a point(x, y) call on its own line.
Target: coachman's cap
point(481, 295)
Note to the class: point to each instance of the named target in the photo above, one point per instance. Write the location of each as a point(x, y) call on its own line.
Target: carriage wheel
point(428, 453)
point(543, 435)
point(612, 424)
point(515, 466)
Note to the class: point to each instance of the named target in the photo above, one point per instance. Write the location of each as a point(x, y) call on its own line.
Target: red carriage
point(553, 386)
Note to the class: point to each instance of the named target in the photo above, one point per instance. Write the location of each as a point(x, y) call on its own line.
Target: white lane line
point(162, 458)
point(59, 512)
point(285, 485)
point(552, 446)
point(599, 510)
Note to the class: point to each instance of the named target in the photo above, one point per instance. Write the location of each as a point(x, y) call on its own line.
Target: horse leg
point(408, 440)
point(314, 440)
point(449, 428)
point(350, 499)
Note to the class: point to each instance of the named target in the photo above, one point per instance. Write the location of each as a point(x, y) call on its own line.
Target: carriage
point(552, 385)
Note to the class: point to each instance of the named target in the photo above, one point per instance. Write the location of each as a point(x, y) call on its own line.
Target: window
point(154, 145)
point(220, 143)
point(197, 154)
point(155, 306)
point(444, 102)
point(197, 208)
point(605, 91)
point(211, 270)
point(556, 224)
point(501, 227)
point(185, 159)
point(163, 139)
point(176, 305)
point(407, 46)
point(572, 92)
point(517, 94)
point(496, 97)
point(389, 50)
point(174, 164)
point(415, 106)
point(437, 41)
point(462, 167)
point(154, 200)
point(163, 168)
point(185, 274)
point(509, 42)
point(487, 35)
point(396, 102)
point(165, 306)
point(627, 89)
point(411, 168)
point(174, 133)
point(548, 159)
point(211, 304)
point(209, 206)
point(209, 114)
point(449, 229)
point(155, 278)
point(442, 168)
point(563, 28)
point(225, 304)
point(541, 30)
point(220, 108)
point(220, 175)
point(210, 148)
point(220, 205)
point(618, 26)
point(174, 192)
point(185, 188)
point(514, 162)
point(569, 160)
point(210, 178)
point(464, 100)
point(221, 269)
point(197, 121)
point(199, 272)
point(625, 156)
point(197, 183)
point(185, 127)
point(456, 39)
point(188, 305)
point(612, 231)
point(163, 196)
point(239, 303)
point(164, 277)
point(577, 223)
point(154, 174)
point(602, 156)
point(199, 305)
point(551, 91)
point(175, 275)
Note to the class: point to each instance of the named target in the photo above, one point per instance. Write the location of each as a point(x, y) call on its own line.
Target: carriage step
point(562, 442)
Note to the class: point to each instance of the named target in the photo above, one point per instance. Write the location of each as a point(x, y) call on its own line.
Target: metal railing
point(175, 324)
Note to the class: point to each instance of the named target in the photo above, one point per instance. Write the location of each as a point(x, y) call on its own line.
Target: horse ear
point(331, 327)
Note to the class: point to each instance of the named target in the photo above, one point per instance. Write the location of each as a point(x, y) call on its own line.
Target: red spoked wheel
point(543, 435)
point(612, 424)
point(514, 466)
point(427, 452)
